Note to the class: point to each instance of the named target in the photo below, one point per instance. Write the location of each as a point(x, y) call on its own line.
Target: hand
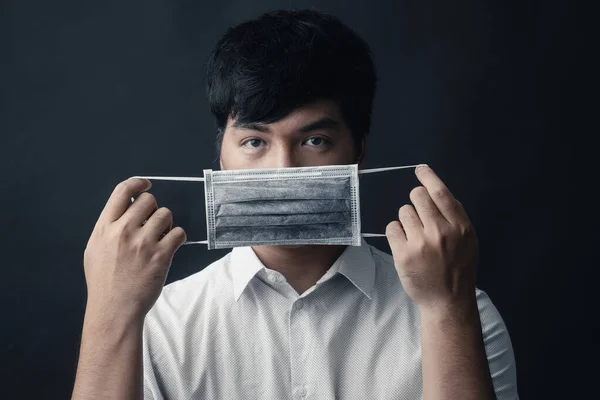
point(434, 246)
point(127, 259)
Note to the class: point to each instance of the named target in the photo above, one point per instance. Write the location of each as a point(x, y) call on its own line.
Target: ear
point(361, 157)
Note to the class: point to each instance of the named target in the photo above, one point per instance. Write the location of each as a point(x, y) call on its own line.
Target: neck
point(302, 266)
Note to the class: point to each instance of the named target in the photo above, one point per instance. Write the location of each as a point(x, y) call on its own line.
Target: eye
point(253, 143)
point(317, 141)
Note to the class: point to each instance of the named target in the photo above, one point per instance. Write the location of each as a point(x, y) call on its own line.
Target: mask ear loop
point(175, 178)
point(171, 178)
point(372, 170)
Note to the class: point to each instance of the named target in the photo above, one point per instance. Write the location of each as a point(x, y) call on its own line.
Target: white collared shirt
point(238, 330)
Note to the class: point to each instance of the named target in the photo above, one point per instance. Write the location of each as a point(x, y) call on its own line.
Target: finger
point(141, 209)
point(460, 209)
point(395, 233)
point(410, 221)
point(439, 192)
point(120, 198)
point(158, 223)
point(173, 240)
point(396, 238)
point(428, 212)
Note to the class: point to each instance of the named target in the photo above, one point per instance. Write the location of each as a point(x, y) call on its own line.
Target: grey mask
point(283, 206)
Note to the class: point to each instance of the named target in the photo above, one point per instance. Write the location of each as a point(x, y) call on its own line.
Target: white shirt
point(238, 330)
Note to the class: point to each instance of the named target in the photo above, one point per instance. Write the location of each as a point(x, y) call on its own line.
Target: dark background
point(482, 91)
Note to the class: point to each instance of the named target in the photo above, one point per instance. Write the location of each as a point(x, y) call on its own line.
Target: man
point(292, 88)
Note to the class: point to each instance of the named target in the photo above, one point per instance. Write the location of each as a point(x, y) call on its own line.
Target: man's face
point(311, 135)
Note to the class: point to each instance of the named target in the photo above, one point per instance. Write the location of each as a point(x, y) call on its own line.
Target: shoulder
point(498, 348)
point(389, 288)
point(183, 306)
point(492, 324)
point(182, 309)
point(385, 269)
point(490, 317)
point(211, 272)
point(178, 297)
point(381, 256)
point(491, 320)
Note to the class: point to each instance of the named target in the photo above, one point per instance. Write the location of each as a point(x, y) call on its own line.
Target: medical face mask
point(282, 206)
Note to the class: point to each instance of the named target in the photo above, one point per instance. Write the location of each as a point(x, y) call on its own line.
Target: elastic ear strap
point(370, 171)
point(198, 242)
point(170, 178)
point(175, 178)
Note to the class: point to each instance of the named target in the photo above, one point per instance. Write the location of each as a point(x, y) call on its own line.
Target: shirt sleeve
point(152, 389)
point(498, 348)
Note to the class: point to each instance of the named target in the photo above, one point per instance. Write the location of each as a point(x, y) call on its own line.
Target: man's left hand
point(434, 247)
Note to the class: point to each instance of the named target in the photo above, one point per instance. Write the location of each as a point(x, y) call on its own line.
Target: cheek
point(231, 156)
point(342, 153)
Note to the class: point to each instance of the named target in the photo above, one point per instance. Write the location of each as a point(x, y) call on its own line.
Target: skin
point(433, 243)
point(289, 143)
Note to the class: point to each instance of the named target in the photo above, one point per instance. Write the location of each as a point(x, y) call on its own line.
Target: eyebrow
point(322, 123)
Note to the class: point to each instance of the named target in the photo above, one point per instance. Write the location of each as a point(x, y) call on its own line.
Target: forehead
point(327, 112)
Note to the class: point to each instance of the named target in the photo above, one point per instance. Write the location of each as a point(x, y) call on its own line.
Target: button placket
point(301, 392)
point(298, 342)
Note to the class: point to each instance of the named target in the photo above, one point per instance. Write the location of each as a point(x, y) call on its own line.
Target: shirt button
point(299, 304)
point(272, 278)
point(302, 391)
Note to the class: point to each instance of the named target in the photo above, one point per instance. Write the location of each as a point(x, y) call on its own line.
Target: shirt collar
point(355, 263)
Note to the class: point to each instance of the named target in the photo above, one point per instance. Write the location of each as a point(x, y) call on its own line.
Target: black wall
point(95, 92)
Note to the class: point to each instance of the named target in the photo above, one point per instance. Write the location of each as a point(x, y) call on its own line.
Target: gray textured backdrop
point(95, 92)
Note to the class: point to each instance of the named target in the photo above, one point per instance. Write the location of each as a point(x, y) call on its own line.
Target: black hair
point(263, 69)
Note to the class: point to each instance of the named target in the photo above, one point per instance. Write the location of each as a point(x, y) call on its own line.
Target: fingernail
point(141, 179)
point(421, 166)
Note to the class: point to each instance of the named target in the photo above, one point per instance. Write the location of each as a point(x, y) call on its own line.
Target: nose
point(284, 157)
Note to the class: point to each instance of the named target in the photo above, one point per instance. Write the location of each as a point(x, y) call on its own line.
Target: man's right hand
point(129, 253)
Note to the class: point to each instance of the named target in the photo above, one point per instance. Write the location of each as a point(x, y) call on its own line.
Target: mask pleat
point(282, 207)
point(287, 232)
point(298, 189)
point(273, 220)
